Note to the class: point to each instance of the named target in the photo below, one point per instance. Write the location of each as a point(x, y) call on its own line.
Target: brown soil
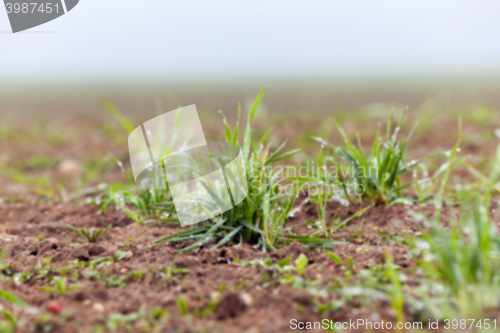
point(34, 215)
point(246, 303)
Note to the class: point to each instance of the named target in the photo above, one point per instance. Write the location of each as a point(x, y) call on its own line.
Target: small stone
point(252, 330)
point(246, 298)
point(55, 306)
point(69, 168)
point(129, 255)
point(187, 262)
point(98, 307)
point(215, 296)
point(87, 302)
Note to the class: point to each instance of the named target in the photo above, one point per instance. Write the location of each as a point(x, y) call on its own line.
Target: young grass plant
point(9, 323)
point(464, 256)
point(142, 205)
point(376, 176)
point(322, 192)
point(91, 234)
point(262, 216)
point(144, 202)
point(60, 286)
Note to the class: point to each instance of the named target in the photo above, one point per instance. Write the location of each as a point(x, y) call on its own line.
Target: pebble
point(98, 307)
point(55, 306)
point(215, 295)
point(69, 168)
point(129, 255)
point(8, 238)
point(246, 298)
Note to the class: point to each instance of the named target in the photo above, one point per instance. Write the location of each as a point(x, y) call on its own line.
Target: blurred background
point(314, 55)
point(317, 58)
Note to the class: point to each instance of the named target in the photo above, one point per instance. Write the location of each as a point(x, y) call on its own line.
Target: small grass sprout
point(262, 216)
point(60, 286)
point(92, 235)
point(130, 242)
point(376, 176)
point(182, 306)
point(464, 256)
point(301, 263)
point(9, 323)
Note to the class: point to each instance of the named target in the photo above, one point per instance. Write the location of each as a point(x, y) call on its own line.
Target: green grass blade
point(226, 238)
point(124, 122)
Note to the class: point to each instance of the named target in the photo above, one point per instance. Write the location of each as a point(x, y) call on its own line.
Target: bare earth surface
point(249, 299)
point(50, 171)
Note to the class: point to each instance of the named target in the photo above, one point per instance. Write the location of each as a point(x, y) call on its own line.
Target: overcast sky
point(159, 39)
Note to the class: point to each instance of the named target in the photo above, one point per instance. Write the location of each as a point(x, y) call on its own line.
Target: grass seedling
point(360, 230)
point(337, 225)
point(142, 205)
point(10, 324)
point(464, 256)
point(118, 320)
point(170, 270)
point(301, 263)
point(130, 242)
point(182, 306)
point(149, 206)
point(91, 235)
point(376, 176)
point(102, 261)
point(335, 258)
point(60, 286)
point(260, 218)
point(396, 297)
point(12, 299)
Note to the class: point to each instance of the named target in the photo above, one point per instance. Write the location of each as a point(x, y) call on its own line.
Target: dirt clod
point(186, 262)
point(231, 306)
point(80, 253)
point(94, 249)
point(295, 249)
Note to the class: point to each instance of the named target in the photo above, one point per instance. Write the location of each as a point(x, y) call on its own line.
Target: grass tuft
point(376, 176)
point(91, 234)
